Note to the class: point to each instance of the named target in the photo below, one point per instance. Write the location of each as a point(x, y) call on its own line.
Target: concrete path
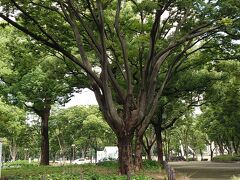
point(207, 170)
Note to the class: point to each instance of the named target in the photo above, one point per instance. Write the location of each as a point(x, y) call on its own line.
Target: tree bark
point(211, 151)
point(149, 157)
point(235, 146)
point(158, 132)
point(138, 152)
point(201, 153)
point(221, 149)
point(167, 145)
point(125, 153)
point(13, 150)
point(44, 137)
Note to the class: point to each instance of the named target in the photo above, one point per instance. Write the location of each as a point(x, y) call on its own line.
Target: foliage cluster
point(19, 164)
point(149, 164)
point(108, 164)
point(226, 158)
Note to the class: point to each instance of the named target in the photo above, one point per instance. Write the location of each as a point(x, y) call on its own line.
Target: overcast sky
point(86, 97)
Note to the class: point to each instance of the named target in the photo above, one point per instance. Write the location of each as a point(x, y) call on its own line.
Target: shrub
point(149, 164)
point(108, 164)
point(192, 159)
point(226, 158)
point(18, 164)
point(177, 158)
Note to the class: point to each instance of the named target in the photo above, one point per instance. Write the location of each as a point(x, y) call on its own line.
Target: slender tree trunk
point(168, 149)
point(229, 147)
point(211, 151)
point(186, 151)
point(158, 132)
point(138, 152)
point(83, 153)
point(220, 147)
point(235, 146)
point(211, 155)
point(201, 153)
point(54, 157)
point(44, 137)
point(149, 156)
point(125, 153)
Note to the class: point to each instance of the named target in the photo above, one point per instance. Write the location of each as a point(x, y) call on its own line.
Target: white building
point(109, 152)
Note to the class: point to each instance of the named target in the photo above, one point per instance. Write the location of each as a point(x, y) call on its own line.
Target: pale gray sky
point(86, 97)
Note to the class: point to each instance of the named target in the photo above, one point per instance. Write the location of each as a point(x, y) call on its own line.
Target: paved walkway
point(207, 170)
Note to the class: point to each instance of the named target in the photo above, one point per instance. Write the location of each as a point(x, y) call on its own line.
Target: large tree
point(35, 80)
point(182, 93)
point(129, 41)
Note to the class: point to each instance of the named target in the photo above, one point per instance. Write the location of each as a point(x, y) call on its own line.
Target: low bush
point(177, 158)
point(18, 164)
point(192, 159)
point(108, 164)
point(149, 164)
point(226, 158)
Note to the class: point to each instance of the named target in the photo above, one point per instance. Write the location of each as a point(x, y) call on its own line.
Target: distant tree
point(85, 128)
point(35, 80)
point(220, 118)
point(13, 128)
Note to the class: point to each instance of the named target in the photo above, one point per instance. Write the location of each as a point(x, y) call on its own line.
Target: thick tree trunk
point(13, 150)
point(159, 145)
point(125, 154)
point(44, 137)
point(138, 152)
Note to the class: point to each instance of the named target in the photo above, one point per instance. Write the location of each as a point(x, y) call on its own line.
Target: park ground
point(206, 170)
point(184, 171)
point(102, 171)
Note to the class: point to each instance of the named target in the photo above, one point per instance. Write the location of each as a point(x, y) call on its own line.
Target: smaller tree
point(13, 128)
point(36, 80)
point(90, 130)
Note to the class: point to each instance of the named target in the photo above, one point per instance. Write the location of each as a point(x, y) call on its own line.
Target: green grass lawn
point(107, 170)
